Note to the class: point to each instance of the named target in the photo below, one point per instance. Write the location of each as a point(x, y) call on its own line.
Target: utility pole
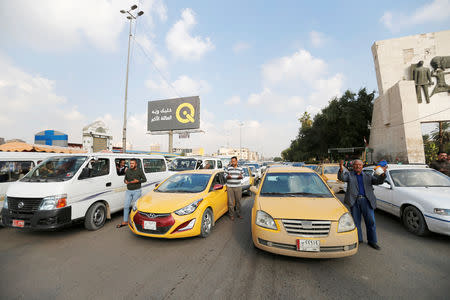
point(130, 17)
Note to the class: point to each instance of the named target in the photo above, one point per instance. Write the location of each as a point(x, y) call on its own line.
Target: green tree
point(344, 122)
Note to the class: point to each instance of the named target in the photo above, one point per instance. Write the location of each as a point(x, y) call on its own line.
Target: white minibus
point(71, 187)
point(15, 165)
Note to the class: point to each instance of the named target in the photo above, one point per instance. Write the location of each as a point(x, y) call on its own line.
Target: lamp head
point(134, 7)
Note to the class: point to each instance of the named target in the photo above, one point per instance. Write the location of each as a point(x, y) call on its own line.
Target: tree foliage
point(343, 123)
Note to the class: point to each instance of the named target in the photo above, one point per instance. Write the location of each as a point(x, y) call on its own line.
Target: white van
point(15, 165)
point(184, 163)
point(71, 187)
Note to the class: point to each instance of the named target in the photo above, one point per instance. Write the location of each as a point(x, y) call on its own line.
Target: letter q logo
point(185, 115)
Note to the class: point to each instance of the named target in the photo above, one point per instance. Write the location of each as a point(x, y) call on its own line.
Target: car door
point(383, 193)
point(217, 198)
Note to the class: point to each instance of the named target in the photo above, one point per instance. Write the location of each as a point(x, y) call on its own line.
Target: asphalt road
point(115, 264)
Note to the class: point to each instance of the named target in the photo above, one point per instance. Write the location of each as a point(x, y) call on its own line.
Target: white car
point(420, 196)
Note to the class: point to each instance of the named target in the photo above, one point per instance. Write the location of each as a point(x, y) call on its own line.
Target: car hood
point(438, 195)
point(156, 202)
point(302, 208)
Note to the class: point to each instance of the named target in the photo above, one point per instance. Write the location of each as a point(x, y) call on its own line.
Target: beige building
point(243, 153)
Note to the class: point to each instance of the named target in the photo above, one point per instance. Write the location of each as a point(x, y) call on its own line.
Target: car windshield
point(300, 184)
point(185, 183)
point(245, 171)
point(55, 169)
point(330, 169)
point(183, 164)
point(419, 178)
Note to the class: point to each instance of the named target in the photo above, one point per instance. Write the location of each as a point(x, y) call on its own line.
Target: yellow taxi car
point(329, 174)
point(184, 205)
point(296, 214)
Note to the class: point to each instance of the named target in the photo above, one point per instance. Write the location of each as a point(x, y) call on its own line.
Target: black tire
point(95, 216)
point(207, 223)
point(414, 221)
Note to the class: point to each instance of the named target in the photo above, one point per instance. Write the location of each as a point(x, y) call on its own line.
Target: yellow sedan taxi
point(296, 214)
point(186, 204)
point(329, 174)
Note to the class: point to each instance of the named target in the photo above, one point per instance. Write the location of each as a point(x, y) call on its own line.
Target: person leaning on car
point(441, 164)
point(361, 199)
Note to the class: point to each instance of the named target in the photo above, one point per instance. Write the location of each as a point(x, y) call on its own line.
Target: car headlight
point(5, 203)
point(263, 219)
point(53, 202)
point(188, 209)
point(346, 223)
point(442, 211)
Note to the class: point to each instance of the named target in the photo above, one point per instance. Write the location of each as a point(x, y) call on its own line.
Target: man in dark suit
point(361, 199)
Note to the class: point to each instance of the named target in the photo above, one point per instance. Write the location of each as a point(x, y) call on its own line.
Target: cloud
point(182, 44)
point(183, 86)
point(30, 104)
point(436, 11)
point(150, 49)
point(301, 66)
point(317, 39)
point(233, 100)
point(53, 25)
point(240, 47)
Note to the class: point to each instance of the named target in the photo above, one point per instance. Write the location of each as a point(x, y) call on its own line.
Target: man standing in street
point(441, 164)
point(361, 199)
point(234, 174)
point(133, 179)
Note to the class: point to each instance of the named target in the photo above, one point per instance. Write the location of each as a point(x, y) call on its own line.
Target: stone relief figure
point(441, 85)
point(422, 79)
point(442, 62)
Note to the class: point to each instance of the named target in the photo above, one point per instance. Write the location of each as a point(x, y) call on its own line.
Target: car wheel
point(207, 223)
point(95, 216)
point(414, 221)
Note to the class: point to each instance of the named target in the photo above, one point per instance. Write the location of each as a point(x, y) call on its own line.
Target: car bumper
point(167, 232)
point(40, 219)
point(438, 224)
point(280, 242)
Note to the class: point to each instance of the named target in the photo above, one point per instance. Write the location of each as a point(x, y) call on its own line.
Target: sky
point(256, 63)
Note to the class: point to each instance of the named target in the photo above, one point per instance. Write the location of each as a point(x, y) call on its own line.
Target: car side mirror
point(84, 173)
point(217, 187)
point(254, 189)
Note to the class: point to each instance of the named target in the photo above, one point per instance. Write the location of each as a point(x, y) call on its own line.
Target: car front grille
point(163, 222)
point(307, 228)
point(24, 204)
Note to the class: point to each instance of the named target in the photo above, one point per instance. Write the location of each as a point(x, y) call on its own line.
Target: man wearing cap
point(361, 199)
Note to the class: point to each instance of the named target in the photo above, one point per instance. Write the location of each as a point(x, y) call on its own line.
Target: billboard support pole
point(171, 141)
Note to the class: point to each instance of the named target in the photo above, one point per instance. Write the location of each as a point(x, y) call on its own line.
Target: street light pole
point(130, 17)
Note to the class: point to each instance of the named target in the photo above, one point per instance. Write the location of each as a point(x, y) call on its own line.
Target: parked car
point(186, 204)
point(418, 195)
point(296, 214)
point(255, 170)
point(184, 163)
point(247, 181)
point(213, 162)
point(71, 187)
point(329, 174)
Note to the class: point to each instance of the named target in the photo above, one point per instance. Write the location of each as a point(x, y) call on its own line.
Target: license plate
point(308, 245)
point(150, 225)
point(18, 223)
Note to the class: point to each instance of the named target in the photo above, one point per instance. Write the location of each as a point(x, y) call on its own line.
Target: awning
point(24, 147)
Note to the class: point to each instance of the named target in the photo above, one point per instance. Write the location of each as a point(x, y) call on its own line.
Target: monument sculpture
point(422, 79)
point(407, 69)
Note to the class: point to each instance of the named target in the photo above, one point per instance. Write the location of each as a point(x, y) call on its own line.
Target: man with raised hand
point(361, 199)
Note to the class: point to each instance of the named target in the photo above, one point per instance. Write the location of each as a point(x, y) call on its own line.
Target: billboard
point(174, 114)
